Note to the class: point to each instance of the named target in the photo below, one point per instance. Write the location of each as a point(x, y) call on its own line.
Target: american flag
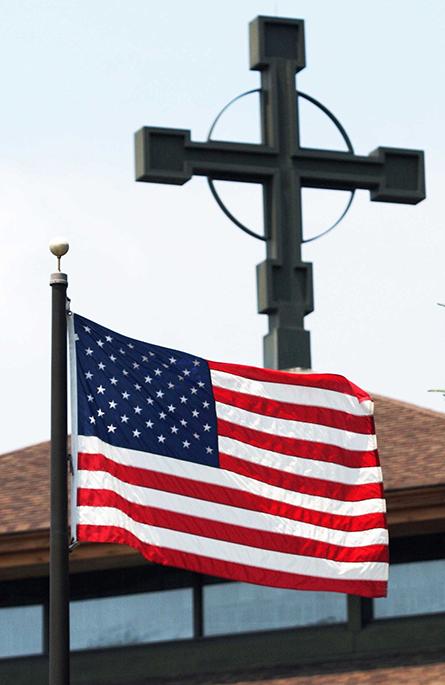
point(245, 473)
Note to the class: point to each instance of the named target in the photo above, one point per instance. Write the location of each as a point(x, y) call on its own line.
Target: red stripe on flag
point(242, 535)
point(224, 495)
point(303, 484)
point(295, 412)
point(298, 448)
point(324, 381)
point(227, 569)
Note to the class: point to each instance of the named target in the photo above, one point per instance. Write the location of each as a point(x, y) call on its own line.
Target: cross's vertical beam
point(284, 281)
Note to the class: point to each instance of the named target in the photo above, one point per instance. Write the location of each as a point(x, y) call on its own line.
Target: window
point(241, 607)
point(131, 619)
point(414, 588)
point(21, 630)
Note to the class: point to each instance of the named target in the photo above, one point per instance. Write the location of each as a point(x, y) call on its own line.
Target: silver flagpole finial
point(59, 247)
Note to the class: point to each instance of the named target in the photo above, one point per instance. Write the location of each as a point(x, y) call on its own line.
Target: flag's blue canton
point(144, 397)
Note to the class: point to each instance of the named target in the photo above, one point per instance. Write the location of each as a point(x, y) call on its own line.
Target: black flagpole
point(59, 658)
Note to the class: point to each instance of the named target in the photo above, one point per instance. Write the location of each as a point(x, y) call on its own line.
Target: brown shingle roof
point(409, 669)
point(24, 493)
point(411, 444)
point(427, 674)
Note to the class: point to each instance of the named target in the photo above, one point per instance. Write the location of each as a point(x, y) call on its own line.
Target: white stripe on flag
point(303, 467)
point(227, 479)
point(310, 432)
point(149, 497)
point(295, 394)
point(233, 552)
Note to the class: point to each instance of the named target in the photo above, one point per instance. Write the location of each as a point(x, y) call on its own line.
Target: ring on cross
point(336, 123)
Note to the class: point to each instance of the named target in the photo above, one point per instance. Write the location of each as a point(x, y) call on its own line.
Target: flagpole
point(59, 664)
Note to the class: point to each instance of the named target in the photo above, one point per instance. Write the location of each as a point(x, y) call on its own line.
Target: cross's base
point(286, 348)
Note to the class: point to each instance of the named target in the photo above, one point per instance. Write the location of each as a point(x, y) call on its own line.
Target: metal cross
point(283, 168)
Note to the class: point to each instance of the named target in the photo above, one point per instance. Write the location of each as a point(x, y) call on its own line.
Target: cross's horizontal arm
point(391, 174)
point(170, 156)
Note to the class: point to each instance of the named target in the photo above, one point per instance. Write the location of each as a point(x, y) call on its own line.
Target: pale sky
point(162, 263)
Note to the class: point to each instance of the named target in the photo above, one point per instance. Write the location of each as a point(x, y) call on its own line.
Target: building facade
point(133, 623)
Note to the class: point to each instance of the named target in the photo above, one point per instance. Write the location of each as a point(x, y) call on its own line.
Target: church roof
point(411, 443)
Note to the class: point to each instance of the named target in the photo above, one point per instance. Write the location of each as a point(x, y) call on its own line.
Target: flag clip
point(73, 544)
